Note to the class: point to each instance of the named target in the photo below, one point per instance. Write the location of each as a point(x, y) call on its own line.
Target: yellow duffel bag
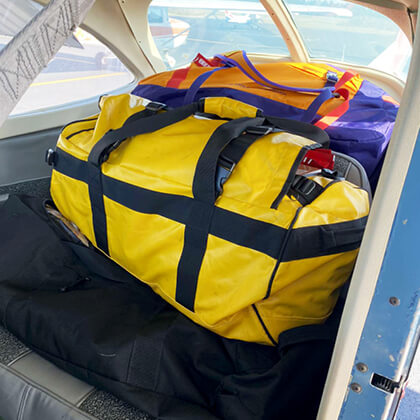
point(203, 204)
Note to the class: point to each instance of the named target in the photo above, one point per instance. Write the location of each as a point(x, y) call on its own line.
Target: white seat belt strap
point(34, 46)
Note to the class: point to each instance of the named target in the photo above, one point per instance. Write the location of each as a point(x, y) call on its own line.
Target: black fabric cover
point(84, 313)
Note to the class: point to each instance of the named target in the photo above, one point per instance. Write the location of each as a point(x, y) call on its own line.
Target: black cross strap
point(225, 148)
point(146, 121)
point(205, 193)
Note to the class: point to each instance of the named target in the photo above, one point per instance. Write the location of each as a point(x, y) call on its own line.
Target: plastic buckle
point(224, 170)
point(332, 77)
point(329, 173)
point(260, 130)
point(304, 186)
point(50, 156)
point(155, 106)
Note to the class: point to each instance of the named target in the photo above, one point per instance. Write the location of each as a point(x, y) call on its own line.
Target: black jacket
point(84, 313)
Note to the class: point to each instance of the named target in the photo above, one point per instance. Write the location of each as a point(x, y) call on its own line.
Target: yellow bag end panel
point(340, 202)
point(62, 189)
point(306, 289)
point(79, 137)
point(310, 295)
point(244, 258)
point(79, 149)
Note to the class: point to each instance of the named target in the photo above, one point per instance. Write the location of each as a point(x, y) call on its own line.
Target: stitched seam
point(281, 253)
point(263, 325)
point(129, 360)
point(23, 403)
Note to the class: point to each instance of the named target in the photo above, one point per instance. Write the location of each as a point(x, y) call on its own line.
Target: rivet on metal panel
point(361, 367)
point(356, 388)
point(394, 301)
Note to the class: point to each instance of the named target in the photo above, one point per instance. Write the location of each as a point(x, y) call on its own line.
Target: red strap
point(347, 76)
point(336, 113)
point(178, 76)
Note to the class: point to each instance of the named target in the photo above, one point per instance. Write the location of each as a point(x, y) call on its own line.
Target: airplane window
point(155, 15)
point(346, 32)
point(188, 27)
point(82, 69)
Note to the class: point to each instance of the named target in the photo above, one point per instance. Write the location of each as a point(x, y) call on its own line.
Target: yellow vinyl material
point(241, 292)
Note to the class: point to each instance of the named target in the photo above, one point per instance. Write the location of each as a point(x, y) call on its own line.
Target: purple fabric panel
point(363, 132)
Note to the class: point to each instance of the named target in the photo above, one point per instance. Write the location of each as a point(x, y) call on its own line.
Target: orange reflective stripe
point(391, 100)
point(336, 113)
point(178, 76)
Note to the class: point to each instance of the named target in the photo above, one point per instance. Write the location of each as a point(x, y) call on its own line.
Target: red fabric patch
point(319, 158)
point(202, 61)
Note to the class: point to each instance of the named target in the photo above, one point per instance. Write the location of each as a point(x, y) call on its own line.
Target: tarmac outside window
point(83, 68)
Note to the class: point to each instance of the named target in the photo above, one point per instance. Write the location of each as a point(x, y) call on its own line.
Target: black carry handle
point(300, 128)
point(233, 138)
point(146, 121)
point(204, 182)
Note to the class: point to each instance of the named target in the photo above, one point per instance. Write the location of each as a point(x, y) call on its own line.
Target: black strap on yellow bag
point(153, 189)
point(243, 130)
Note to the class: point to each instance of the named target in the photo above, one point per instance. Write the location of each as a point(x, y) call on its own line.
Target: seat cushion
point(31, 388)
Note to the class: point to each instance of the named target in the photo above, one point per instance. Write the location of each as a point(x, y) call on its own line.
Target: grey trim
point(352, 170)
point(22, 158)
point(47, 375)
point(20, 357)
point(38, 188)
